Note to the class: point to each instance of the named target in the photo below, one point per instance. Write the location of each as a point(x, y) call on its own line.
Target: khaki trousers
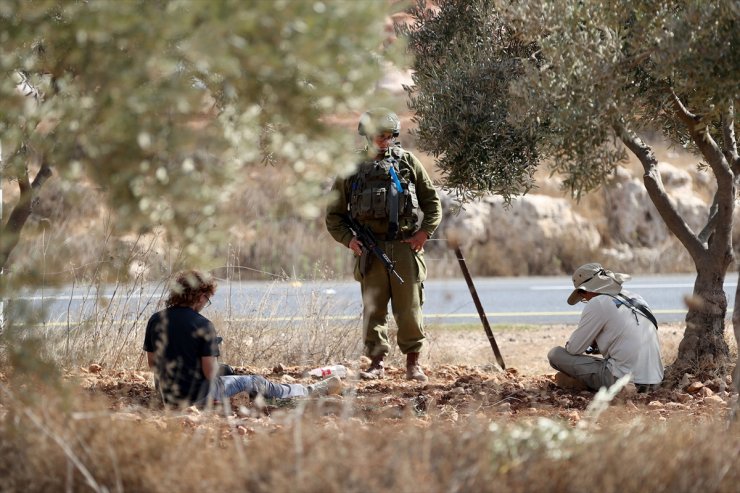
point(380, 287)
point(590, 370)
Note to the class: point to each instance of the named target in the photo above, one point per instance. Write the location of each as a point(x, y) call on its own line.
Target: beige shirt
point(627, 340)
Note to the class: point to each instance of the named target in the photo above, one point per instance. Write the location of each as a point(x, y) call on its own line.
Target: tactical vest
point(380, 191)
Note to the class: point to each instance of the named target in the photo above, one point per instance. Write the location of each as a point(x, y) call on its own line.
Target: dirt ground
point(463, 382)
point(524, 348)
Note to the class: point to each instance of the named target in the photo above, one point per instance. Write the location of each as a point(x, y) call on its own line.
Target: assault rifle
point(370, 243)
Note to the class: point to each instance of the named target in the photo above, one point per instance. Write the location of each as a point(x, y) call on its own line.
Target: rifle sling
point(642, 310)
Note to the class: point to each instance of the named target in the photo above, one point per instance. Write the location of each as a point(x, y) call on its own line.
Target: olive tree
point(502, 88)
point(165, 105)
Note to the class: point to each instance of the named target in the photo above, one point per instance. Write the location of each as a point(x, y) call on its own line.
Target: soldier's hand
point(356, 246)
point(416, 242)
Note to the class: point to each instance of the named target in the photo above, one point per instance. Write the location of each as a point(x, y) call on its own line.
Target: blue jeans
point(257, 385)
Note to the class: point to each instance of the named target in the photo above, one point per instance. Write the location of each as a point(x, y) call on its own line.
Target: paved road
point(525, 300)
point(541, 300)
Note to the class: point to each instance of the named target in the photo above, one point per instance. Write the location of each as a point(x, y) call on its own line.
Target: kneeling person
point(616, 323)
point(182, 350)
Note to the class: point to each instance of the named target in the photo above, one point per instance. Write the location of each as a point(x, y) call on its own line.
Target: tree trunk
point(703, 347)
point(736, 371)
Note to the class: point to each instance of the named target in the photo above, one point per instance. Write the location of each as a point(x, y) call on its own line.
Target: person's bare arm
point(210, 366)
point(150, 360)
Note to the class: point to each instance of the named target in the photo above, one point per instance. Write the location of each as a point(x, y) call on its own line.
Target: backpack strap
point(637, 306)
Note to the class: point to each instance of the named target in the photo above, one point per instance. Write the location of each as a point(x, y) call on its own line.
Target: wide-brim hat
point(593, 278)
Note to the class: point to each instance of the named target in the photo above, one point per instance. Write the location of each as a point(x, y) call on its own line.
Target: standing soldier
point(392, 195)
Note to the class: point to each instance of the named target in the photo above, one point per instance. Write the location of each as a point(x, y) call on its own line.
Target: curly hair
point(189, 286)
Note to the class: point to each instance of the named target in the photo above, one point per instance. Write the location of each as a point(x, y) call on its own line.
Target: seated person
point(182, 349)
point(614, 322)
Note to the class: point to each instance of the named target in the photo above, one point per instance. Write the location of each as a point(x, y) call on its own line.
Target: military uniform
point(378, 285)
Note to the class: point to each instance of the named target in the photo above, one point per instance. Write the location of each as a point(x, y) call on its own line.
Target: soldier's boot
point(413, 369)
point(376, 370)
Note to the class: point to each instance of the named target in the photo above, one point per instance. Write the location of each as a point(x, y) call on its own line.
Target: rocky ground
point(456, 390)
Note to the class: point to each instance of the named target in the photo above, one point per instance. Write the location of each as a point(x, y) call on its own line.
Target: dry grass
point(109, 329)
point(70, 442)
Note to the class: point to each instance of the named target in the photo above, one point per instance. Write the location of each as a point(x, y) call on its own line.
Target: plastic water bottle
point(329, 371)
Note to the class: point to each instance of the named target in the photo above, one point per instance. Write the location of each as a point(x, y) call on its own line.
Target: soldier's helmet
point(377, 121)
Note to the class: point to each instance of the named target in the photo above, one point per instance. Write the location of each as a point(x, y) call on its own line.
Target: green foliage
point(514, 445)
point(608, 65)
point(566, 78)
point(466, 57)
point(166, 105)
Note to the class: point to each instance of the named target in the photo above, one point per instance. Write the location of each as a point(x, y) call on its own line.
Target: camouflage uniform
point(377, 284)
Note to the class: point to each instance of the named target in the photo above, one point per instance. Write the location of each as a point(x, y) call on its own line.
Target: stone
point(694, 387)
point(634, 220)
point(682, 397)
point(714, 401)
point(138, 378)
point(537, 219)
point(675, 406)
point(635, 230)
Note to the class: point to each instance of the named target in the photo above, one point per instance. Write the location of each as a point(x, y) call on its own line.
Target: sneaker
point(330, 386)
point(374, 372)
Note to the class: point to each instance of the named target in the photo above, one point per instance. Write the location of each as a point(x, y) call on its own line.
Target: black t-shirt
point(179, 336)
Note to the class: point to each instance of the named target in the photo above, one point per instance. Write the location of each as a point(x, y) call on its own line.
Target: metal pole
point(479, 307)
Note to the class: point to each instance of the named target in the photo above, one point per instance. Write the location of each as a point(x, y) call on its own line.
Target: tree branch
point(682, 111)
point(11, 233)
point(708, 229)
point(728, 134)
point(44, 174)
point(658, 195)
point(704, 141)
point(725, 194)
